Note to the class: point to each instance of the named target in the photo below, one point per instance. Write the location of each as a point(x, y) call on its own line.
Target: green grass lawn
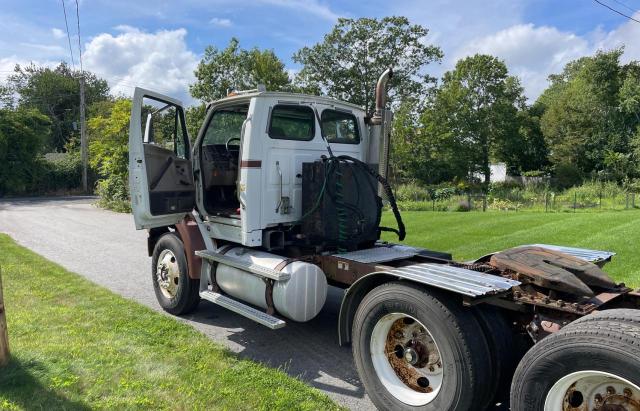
point(473, 234)
point(76, 346)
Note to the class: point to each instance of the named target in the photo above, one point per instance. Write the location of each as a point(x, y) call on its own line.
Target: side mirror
point(148, 131)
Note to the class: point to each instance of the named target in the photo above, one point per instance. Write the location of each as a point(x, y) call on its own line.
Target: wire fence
point(543, 202)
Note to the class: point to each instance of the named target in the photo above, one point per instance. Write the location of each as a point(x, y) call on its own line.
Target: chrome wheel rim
point(406, 359)
point(593, 390)
point(168, 274)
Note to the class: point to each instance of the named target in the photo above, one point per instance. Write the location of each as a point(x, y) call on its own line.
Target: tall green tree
point(473, 116)
point(591, 114)
point(348, 62)
point(56, 94)
point(237, 68)
point(22, 134)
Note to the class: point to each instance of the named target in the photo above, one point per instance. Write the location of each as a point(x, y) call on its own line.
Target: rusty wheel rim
point(168, 274)
point(593, 390)
point(406, 359)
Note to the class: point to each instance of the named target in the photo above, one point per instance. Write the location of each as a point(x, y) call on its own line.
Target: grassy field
point(471, 235)
point(76, 346)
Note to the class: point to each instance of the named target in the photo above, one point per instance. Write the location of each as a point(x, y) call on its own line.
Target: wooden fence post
point(4, 337)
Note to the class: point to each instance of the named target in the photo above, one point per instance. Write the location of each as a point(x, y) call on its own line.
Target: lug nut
point(611, 390)
point(627, 392)
point(598, 398)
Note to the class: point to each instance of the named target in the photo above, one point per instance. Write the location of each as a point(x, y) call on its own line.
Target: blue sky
point(158, 43)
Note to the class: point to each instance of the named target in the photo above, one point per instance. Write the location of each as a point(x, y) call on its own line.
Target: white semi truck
point(281, 196)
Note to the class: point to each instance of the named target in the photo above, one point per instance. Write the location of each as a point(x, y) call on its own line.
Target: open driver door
point(161, 180)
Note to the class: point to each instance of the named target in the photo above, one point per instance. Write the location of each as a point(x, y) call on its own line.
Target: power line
point(64, 9)
point(616, 11)
point(79, 43)
point(625, 6)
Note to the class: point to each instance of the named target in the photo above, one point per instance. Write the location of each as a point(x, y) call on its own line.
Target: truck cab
point(244, 173)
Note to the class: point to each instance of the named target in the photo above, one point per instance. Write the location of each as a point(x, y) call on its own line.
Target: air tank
point(300, 298)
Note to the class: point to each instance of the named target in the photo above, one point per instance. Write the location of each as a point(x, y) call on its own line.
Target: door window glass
point(164, 126)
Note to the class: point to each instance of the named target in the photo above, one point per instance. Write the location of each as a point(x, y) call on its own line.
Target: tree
point(237, 68)
point(530, 151)
point(473, 116)
point(109, 153)
point(22, 134)
point(6, 96)
point(56, 93)
point(195, 116)
point(348, 62)
point(591, 112)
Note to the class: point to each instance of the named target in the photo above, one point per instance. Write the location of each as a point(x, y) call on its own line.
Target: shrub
point(109, 151)
point(59, 172)
point(21, 140)
point(113, 193)
point(567, 175)
point(410, 192)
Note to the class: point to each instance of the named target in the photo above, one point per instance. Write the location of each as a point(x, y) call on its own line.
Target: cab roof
point(286, 95)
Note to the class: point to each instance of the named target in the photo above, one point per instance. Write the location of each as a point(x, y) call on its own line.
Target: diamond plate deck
point(378, 254)
point(459, 280)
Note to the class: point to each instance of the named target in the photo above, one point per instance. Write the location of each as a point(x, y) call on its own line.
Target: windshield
point(225, 124)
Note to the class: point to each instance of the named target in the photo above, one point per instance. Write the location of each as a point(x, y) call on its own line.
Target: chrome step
point(243, 309)
point(255, 269)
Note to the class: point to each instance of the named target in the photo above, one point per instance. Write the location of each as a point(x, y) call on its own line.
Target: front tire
point(589, 365)
point(176, 292)
point(419, 350)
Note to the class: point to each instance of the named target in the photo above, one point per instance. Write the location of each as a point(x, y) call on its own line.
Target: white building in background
point(498, 173)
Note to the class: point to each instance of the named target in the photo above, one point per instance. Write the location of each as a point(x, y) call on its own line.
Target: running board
point(243, 309)
point(254, 269)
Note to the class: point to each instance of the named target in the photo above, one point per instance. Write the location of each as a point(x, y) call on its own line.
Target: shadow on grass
point(21, 388)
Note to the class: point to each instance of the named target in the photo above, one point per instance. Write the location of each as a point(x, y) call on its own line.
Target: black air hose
point(401, 231)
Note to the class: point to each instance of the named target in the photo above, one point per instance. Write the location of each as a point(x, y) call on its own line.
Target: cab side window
point(340, 127)
point(292, 122)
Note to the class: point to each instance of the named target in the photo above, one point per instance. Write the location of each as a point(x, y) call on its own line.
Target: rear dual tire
point(462, 379)
point(590, 364)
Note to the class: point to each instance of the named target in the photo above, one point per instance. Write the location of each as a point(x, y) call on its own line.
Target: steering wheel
point(234, 151)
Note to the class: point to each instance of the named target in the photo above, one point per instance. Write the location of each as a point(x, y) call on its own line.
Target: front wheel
point(176, 292)
point(591, 365)
point(418, 350)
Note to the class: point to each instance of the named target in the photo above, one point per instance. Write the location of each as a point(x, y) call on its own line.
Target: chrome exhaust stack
point(381, 96)
point(380, 127)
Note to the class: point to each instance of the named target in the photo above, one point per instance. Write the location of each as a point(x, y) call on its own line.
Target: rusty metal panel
point(458, 280)
point(592, 256)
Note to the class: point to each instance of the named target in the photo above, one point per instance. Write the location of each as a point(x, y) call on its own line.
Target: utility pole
point(4, 338)
point(83, 137)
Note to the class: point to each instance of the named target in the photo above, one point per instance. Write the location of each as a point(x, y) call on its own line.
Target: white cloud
point(159, 61)
point(57, 33)
point(625, 35)
point(530, 52)
point(220, 22)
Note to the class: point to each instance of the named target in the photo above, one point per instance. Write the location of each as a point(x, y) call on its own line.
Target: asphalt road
point(105, 248)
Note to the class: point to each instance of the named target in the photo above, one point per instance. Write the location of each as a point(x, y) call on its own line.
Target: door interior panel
point(171, 188)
